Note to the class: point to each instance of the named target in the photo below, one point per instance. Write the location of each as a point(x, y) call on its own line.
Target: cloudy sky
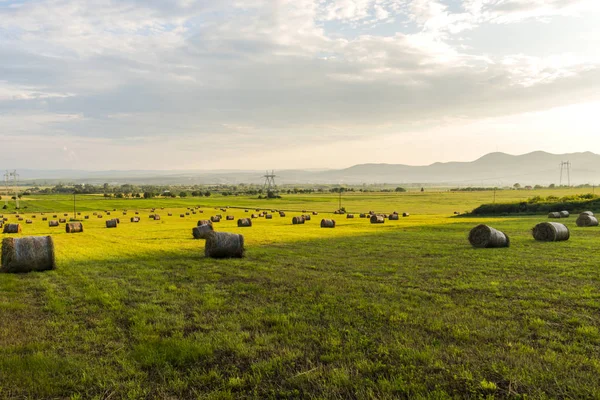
point(252, 84)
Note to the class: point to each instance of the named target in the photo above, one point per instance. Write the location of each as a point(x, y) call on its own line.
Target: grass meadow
point(406, 309)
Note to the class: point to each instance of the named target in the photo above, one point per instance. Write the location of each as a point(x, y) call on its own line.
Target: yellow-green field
point(406, 309)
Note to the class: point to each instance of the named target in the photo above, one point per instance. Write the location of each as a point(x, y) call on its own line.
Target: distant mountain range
point(494, 169)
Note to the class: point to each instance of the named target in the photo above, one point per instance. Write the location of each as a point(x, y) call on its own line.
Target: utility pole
point(565, 166)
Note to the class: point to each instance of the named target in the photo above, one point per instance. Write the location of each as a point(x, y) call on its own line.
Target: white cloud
point(245, 74)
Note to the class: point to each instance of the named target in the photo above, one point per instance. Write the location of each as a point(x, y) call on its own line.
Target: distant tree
point(422, 189)
point(207, 193)
point(552, 186)
point(400, 189)
point(148, 195)
point(183, 194)
point(517, 186)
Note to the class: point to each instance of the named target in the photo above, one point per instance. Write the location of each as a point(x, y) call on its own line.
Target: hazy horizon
point(303, 84)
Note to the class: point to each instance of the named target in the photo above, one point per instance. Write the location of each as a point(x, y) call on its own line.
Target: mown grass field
point(406, 309)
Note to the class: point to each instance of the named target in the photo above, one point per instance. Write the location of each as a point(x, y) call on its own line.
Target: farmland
point(406, 309)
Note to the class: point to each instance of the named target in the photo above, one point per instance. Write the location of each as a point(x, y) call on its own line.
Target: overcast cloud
point(210, 84)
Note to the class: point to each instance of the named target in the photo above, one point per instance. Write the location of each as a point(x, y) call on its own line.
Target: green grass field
point(407, 309)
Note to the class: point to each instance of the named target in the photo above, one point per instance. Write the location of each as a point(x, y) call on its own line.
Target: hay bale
point(304, 211)
point(187, 213)
point(405, 214)
point(28, 221)
point(585, 220)
point(337, 212)
point(108, 213)
point(591, 214)
point(111, 223)
point(124, 212)
point(20, 219)
point(306, 217)
point(377, 219)
point(327, 223)
point(45, 219)
point(181, 215)
point(204, 222)
point(224, 245)
point(246, 210)
point(269, 216)
point(65, 215)
point(554, 215)
point(362, 216)
point(137, 213)
point(551, 232)
point(135, 219)
point(483, 236)
point(53, 223)
point(230, 218)
point(170, 214)
point(215, 218)
point(393, 217)
point(33, 216)
point(156, 217)
point(87, 217)
point(564, 214)
point(12, 228)
point(32, 253)
point(201, 231)
point(74, 227)
point(298, 220)
point(254, 216)
point(62, 221)
point(99, 215)
point(349, 215)
point(281, 214)
point(315, 213)
point(244, 222)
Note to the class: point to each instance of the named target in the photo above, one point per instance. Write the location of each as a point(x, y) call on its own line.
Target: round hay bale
point(254, 216)
point(187, 213)
point(304, 211)
point(564, 214)
point(32, 253)
point(87, 217)
point(306, 217)
point(405, 214)
point(65, 215)
point(362, 215)
point(230, 218)
point(585, 220)
point(269, 216)
point(12, 228)
point(151, 216)
point(20, 219)
point(55, 216)
point(224, 245)
point(377, 219)
point(555, 214)
point(201, 231)
point(591, 214)
point(182, 215)
point(62, 221)
point(108, 213)
point(393, 217)
point(349, 215)
point(135, 219)
point(137, 213)
point(124, 213)
point(483, 236)
point(45, 219)
point(204, 222)
point(156, 217)
point(170, 214)
point(551, 232)
point(99, 215)
point(298, 220)
point(28, 221)
point(336, 212)
point(327, 223)
point(215, 218)
point(111, 223)
point(53, 223)
point(246, 210)
point(244, 222)
point(74, 227)
point(281, 214)
point(33, 216)
point(315, 213)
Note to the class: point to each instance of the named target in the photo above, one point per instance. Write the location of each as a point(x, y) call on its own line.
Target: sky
point(281, 84)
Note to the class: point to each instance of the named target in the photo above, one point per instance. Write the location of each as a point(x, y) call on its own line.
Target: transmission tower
point(565, 166)
point(269, 181)
point(6, 191)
